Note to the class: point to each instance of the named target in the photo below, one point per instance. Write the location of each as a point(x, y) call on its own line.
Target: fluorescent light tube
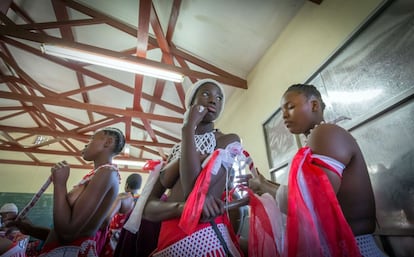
point(110, 62)
point(129, 163)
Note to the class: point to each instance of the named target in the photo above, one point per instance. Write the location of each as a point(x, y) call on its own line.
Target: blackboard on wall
point(40, 214)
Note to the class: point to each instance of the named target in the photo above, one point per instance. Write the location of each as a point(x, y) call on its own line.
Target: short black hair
point(119, 138)
point(134, 181)
point(308, 91)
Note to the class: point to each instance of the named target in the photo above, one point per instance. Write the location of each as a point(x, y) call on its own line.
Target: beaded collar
point(92, 173)
point(205, 144)
point(310, 131)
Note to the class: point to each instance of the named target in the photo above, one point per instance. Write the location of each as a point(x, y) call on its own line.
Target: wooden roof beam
point(74, 135)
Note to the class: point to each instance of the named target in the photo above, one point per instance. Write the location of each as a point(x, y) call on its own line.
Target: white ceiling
point(66, 101)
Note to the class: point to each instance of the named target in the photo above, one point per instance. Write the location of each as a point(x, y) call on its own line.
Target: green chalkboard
point(40, 214)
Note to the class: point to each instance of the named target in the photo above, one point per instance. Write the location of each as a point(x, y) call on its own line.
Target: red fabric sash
point(327, 229)
point(262, 239)
point(194, 205)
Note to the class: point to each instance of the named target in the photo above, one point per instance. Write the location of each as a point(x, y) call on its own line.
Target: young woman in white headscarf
point(194, 217)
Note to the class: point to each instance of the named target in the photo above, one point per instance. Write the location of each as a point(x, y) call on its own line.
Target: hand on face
point(60, 173)
point(195, 114)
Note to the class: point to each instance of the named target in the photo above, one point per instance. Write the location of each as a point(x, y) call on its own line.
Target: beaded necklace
point(205, 144)
point(310, 131)
point(92, 173)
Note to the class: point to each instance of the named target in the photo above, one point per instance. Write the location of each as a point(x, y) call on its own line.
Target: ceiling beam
point(12, 30)
point(5, 5)
point(88, 107)
point(35, 98)
point(234, 80)
point(105, 80)
point(60, 24)
point(74, 135)
point(141, 51)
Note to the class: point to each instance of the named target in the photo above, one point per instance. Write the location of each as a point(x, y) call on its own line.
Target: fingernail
point(200, 108)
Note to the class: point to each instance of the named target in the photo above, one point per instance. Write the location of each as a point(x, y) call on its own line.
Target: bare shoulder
point(124, 195)
point(106, 174)
point(108, 169)
point(333, 141)
point(225, 139)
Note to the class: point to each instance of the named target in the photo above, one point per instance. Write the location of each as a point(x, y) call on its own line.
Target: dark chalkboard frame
point(280, 143)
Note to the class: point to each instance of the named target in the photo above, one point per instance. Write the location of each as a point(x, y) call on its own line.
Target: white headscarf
point(9, 207)
point(189, 96)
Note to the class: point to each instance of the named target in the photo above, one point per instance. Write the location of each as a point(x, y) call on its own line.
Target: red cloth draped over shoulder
point(315, 221)
point(194, 204)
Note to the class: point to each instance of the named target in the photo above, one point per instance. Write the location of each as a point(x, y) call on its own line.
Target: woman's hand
point(254, 181)
point(60, 173)
point(212, 208)
point(24, 225)
point(194, 115)
point(242, 180)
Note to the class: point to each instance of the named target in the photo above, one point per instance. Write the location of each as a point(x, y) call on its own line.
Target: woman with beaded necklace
point(187, 217)
point(329, 200)
point(79, 213)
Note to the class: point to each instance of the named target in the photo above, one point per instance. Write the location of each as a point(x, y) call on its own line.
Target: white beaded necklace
point(310, 131)
point(205, 144)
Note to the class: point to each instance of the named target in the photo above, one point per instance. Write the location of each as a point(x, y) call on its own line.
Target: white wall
point(311, 37)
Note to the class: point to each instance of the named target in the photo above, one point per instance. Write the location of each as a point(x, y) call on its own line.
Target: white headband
point(9, 207)
point(189, 96)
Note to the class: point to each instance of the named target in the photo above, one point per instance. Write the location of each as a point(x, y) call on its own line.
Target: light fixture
point(110, 62)
point(40, 139)
point(128, 163)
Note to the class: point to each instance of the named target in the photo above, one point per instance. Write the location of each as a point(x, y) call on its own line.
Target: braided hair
point(308, 91)
point(119, 138)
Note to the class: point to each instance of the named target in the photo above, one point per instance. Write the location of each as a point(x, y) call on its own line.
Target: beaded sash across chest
point(205, 144)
